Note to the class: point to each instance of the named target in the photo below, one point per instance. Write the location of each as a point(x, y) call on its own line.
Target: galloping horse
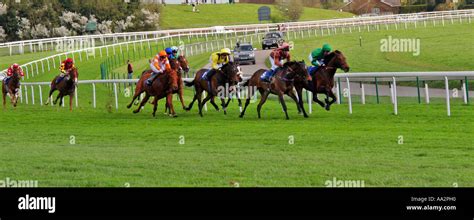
point(323, 80)
point(66, 87)
point(184, 64)
point(163, 86)
point(281, 84)
point(11, 89)
point(227, 77)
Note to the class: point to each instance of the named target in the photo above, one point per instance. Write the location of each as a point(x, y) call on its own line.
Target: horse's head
point(174, 64)
point(232, 73)
point(183, 63)
point(74, 74)
point(297, 69)
point(337, 60)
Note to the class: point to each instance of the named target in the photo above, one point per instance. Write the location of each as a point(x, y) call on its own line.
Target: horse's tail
point(189, 84)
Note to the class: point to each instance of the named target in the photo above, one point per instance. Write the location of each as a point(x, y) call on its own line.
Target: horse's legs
point(137, 94)
point(315, 98)
point(199, 97)
point(180, 93)
point(142, 103)
point(282, 101)
point(263, 99)
point(334, 99)
point(60, 97)
point(169, 102)
point(213, 102)
point(299, 93)
point(201, 104)
point(299, 102)
point(4, 100)
point(71, 97)
point(155, 106)
point(50, 94)
point(224, 105)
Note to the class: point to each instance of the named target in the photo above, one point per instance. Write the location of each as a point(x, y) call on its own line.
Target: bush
point(413, 8)
point(51, 18)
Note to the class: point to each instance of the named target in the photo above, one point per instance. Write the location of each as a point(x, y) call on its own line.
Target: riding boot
point(267, 75)
point(7, 79)
point(150, 80)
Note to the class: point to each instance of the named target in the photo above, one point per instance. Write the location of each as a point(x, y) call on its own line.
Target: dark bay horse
point(66, 87)
point(226, 78)
point(323, 80)
point(12, 89)
point(281, 84)
point(163, 86)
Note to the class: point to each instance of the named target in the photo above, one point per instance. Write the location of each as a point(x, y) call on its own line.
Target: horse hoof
point(241, 116)
point(129, 106)
point(135, 111)
point(306, 116)
point(327, 108)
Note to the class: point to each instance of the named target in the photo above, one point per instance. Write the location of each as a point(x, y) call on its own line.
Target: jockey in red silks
point(66, 66)
point(14, 67)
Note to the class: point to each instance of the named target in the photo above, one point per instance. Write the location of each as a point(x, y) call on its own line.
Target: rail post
point(418, 89)
point(395, 101)
point(93, 95)
point(446, 85)
point(349, 95)
point(377, 91)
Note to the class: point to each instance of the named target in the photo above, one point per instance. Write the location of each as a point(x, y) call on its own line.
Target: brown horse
point(281, 84)
point(181, 65)
point(12, 89)
point(227, 77)
point(323, 80)
point(66, 87)
point(164, 85)
point(184, 64)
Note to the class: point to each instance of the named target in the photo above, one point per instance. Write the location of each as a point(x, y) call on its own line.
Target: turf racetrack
point(420, 147)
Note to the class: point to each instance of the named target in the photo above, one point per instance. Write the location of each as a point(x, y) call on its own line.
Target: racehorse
point(184, 64)
point(12, 89)
point(227, 77)
point(323, 80)
point(281, 84)
point(66, 87)
point(163, 86)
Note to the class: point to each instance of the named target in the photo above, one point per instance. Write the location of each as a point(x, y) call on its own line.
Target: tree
point(291, 10)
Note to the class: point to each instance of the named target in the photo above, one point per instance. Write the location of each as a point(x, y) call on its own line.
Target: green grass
point(117, 147)
point(181, 16)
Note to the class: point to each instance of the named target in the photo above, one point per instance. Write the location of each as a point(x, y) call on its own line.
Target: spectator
point(129, 70)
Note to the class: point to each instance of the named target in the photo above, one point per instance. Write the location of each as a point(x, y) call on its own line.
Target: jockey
point(317, 57)
point(276, 59)
point(66, 66)
point(217, 60)
point(173, 52)
point(14, 67)
point(159, 64)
